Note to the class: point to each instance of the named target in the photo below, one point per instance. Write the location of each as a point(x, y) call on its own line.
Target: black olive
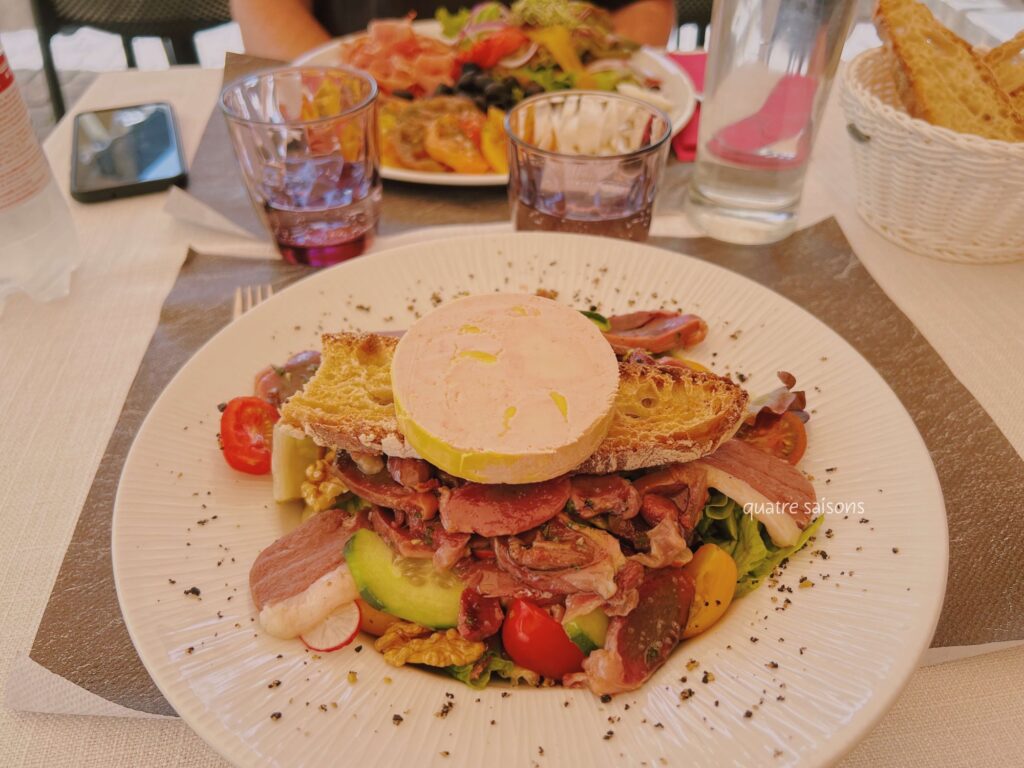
point(467, 82)
point(403, 95)
point(481, 81)
point(470, 67)
point(444, 90)
point(496, 92)
point(532, 89)
point(481, 102)
point(510, 83)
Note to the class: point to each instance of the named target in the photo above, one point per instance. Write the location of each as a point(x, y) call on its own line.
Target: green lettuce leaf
point(724, 523)
point(452, 23)
point(496, 665)
point(548, 78)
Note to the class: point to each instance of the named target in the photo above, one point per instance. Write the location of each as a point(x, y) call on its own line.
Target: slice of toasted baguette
point(1007, 64)
point(940, 78)
point(661, 414)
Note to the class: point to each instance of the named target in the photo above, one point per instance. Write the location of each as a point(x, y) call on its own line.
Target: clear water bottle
point(38, 244)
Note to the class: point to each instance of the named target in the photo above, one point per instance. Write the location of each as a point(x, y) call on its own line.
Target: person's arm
point(278, 29)
point(646, 21)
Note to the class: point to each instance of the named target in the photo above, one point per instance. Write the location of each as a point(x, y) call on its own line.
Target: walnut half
point(407, 643)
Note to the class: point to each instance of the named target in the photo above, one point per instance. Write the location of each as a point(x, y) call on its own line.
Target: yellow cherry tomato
point(714, 573)
point(492, 140)
point(693, 365)
point(449, 141)
point(372, 621)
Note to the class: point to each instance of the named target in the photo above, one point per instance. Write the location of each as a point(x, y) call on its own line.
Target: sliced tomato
point(246, 426)
point(446, 142)
point(488, 51)
point(785, 437)
point(536, 641)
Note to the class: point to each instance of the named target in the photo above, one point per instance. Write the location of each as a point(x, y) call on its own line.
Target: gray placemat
point(815, 268)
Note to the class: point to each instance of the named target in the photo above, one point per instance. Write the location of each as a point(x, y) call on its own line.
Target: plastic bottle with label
point(38, 244)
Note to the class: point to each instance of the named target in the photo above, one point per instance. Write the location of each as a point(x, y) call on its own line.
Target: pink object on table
point(784, 115)
point(685, 142)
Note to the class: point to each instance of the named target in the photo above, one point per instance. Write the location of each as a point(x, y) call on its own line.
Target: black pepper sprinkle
point(605, 698)
point(895, 550)
point(193, 591)
point(685, 694)
point(323, 707)
point(773, 664)
point(659, 726)
point(222, 407)
point(397, 719)
point(748, 713)
point(171, 581)
point(274, 684)
point(445, 709)
point(275, 715)
point(608, 735)
point(358, 649)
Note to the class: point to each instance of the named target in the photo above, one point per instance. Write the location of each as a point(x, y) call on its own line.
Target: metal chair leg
point(181, 49)
point(129, 51)
point(52, 80)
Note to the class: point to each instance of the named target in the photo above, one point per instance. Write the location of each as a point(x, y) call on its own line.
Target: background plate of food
point(803, 662)
point(446, 84)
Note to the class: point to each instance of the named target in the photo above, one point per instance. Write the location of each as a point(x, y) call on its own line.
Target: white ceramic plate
point(844, 647)
point(676, 86)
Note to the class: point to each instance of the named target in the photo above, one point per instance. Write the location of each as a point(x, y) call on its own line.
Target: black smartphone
point(125, 151)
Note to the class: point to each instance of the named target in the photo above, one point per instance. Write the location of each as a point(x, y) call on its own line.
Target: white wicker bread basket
point(931, 190)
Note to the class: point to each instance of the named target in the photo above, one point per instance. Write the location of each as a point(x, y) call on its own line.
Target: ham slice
point(380, 488)
point(594, 495)
point(655, 332)
point(414, 474)
point(300, 578)
point(772, 489)
point(502, 510)
point(638, 644)
point(400, 59)
point(563, 559)
point(420, 539)
point(479, 616)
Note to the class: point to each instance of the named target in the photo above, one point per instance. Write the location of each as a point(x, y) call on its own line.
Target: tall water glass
point(770, 67)
point(306, 138)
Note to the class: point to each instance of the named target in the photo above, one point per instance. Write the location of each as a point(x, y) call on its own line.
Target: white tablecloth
point(67, 367)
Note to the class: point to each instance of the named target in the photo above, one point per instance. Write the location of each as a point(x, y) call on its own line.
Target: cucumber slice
point(289, 457)
point(588, 631)
point(407, 587)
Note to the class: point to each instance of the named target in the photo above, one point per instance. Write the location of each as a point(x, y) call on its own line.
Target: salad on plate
point(512, 490)
point(444, 95)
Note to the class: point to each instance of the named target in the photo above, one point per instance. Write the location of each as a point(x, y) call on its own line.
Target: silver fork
point(248, 296)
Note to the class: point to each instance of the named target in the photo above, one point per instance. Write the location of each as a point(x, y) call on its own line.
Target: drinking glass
point(586, 162)
point(306, 138)
point(770, 67)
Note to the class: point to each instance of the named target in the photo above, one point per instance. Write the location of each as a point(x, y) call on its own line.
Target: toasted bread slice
point(940, 78)
point(661, 414)
point(1007, 64)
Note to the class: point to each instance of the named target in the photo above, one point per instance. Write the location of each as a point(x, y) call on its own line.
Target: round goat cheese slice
point(504, 388)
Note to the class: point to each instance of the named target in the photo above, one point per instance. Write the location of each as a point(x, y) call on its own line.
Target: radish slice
point(336, 631)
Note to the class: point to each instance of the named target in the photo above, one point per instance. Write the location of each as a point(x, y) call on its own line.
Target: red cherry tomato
point(785, 437)
point(536, 641)
point(245, 434)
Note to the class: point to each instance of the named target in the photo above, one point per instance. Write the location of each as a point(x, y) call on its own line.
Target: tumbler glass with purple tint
point(306, 139)
point(585, 162)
